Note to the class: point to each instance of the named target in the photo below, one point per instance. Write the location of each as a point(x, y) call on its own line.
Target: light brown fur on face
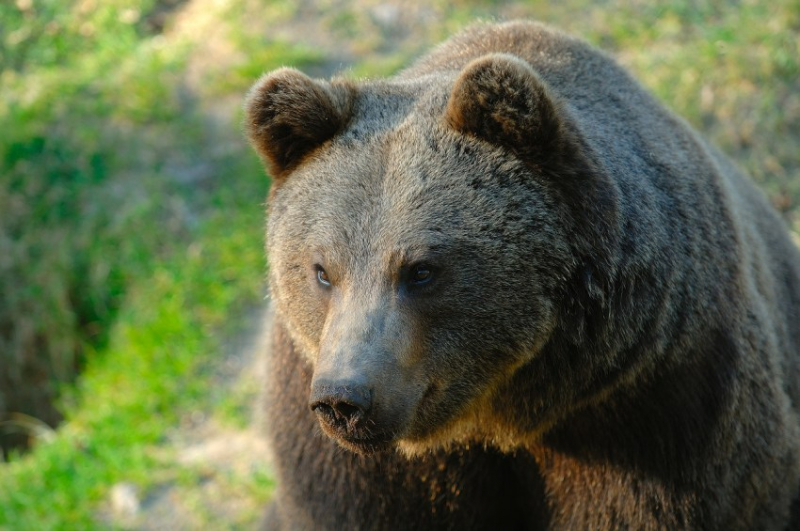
point(510, 266)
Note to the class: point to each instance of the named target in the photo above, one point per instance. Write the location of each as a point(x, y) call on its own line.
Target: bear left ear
point(288, 115)
point(500, 99)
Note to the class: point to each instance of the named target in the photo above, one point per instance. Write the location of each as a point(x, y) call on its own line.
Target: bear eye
point(420, 274)
point(322, 276)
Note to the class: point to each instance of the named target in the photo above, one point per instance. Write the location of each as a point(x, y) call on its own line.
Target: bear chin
point(370, 446)
point(357, 438)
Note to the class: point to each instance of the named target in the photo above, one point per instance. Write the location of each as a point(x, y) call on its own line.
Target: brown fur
point(607, 326)
point(294, 116)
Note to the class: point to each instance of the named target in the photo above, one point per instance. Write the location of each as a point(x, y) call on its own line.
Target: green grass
point(74, 207)
point(731, 69)
point(156, 367)
point(131, 215)
point(135, 226)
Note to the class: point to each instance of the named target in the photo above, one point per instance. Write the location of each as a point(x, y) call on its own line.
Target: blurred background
point(131, 216)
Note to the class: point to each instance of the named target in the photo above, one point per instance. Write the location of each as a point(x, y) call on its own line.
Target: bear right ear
point(288, 115)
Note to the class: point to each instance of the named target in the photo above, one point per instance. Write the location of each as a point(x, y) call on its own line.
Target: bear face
point(413, 292)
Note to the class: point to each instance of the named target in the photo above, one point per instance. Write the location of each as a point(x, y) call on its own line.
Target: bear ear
point(500, 99)
point(288, 115)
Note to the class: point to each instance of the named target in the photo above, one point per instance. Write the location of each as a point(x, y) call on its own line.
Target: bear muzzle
point(344, 411)
point(348, 404)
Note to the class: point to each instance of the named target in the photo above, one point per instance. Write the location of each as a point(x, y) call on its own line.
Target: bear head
point(426, 237)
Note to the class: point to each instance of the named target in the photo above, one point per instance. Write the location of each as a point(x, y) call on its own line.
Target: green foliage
point(732, 69)
point(154, 368)
point(76, 212)
point(53, 33)
point(109, 251)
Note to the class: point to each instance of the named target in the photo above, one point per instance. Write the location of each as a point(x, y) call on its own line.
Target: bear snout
point(341, 405)
point(345, 413)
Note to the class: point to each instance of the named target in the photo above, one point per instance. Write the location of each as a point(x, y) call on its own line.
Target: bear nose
point(337, 402)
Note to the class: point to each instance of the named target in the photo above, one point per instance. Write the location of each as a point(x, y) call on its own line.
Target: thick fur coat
point(513, 291)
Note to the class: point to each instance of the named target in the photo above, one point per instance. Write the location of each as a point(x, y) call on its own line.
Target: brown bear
point(512, 291)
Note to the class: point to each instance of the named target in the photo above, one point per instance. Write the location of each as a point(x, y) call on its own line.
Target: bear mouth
point(363, 435)
point(360, 441)
point(358, 435)
point(367, 431)
point(366, 446)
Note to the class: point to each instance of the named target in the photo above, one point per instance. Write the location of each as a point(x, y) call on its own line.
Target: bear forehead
point(399, 179)
point(417, 172)
point(388, 188)
point(382, 106)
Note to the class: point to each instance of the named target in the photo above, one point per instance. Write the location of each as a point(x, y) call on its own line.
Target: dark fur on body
point(612, 339)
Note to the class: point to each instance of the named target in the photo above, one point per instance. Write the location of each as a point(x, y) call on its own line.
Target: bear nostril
point(338, 410)
point(348, 411)
point(340, 404)
point(321, 408)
